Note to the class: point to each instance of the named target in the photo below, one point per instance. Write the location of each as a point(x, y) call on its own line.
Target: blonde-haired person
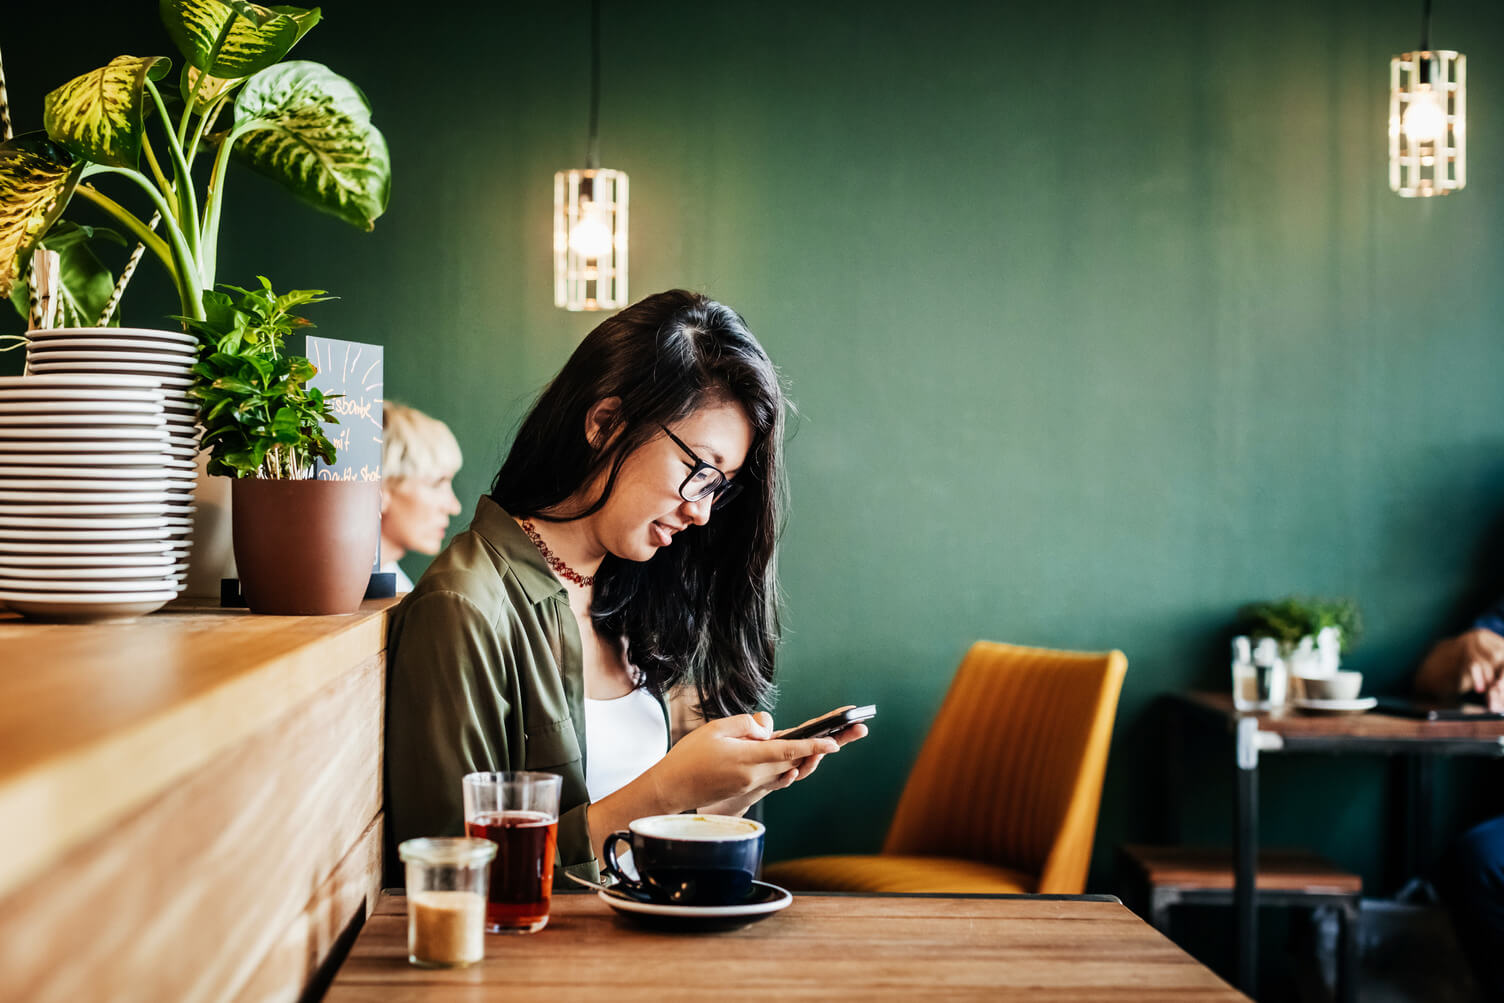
point(419, 458)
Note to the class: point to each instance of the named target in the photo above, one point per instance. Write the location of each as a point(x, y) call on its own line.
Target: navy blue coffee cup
point(704, 860)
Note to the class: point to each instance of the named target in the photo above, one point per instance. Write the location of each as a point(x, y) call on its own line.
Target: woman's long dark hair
point(704, 610)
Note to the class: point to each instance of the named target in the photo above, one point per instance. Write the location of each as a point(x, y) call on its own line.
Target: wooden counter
point(189, 803)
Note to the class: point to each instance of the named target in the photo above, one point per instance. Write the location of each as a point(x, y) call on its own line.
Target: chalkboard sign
point(354, 370)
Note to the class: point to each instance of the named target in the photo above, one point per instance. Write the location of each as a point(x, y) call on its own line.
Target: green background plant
point(1289, 619)
point(299, 123)
point(260, 416)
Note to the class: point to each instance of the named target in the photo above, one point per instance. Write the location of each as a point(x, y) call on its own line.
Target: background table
point(822, 946)
point(1254, 735)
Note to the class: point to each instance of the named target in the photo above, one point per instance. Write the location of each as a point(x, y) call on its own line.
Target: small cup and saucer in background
point(690, 872)
point(1334, 693)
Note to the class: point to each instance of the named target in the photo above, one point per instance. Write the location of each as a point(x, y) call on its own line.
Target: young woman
point(625, 550)
point(419, 459)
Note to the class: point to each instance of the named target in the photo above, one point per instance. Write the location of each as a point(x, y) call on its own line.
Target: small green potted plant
point(298, 123)
point(302, 545)
point(1312, 632)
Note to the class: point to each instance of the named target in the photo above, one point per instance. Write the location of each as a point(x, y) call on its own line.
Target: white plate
point(82, 607)
point(132, 333)
point(153, 583)
point(127, 578)
point(83, 562)
point(158, 420)
point(67, 352)
point(1337, 706)
point(71, 549)
point(42, 367)
point(120, 345)
point(108, 490)
point(142, 472)
point(155, 450)
point(97, 465)
point(32, 523)
point(49, 439)
point(105, 382)
point(154, 534)
point(34, 516)
point(74, 409)
point(35, 498)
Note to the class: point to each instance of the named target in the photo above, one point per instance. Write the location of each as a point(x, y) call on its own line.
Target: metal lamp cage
point(1422, 162)
point(590, 239)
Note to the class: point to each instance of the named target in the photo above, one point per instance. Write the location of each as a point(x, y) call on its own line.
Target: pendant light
point(1427, 119)
point(590, 216)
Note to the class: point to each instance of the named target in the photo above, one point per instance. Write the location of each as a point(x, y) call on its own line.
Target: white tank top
point(623, 737)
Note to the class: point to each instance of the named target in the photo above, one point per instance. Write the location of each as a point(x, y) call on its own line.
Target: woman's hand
point(843, 738)
point(802, 768)
point(726, 763)
point(733, 758)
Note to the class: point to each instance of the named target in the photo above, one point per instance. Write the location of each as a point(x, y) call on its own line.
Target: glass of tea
point(519, 812)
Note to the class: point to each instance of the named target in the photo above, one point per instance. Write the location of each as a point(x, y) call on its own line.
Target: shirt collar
point(494, 525)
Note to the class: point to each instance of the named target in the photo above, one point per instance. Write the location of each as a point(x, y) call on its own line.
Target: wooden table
point(1291, 731)
point(190, 803)
point(1034, 947)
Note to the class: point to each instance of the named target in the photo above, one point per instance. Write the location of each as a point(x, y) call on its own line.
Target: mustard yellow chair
point(1004, 795)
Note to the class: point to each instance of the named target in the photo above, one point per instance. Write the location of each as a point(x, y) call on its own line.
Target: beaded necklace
point(563, 570)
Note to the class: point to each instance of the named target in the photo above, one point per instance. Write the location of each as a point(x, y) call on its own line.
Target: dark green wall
point(1100, 317)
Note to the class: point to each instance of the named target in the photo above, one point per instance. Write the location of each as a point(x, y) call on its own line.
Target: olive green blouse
point(485, 673)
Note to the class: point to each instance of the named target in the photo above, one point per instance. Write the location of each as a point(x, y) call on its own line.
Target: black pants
point(1472, 882)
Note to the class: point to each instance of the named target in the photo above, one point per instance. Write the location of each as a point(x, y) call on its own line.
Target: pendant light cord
point(1425, 27)
point(593, 151)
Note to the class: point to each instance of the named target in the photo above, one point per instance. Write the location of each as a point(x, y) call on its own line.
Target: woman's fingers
point(791, 750)
point(850, 734)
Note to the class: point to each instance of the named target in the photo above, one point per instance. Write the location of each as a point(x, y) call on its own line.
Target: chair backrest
point(1011, 770)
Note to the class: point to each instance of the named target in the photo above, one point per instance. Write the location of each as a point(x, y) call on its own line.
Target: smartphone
point(833, 722)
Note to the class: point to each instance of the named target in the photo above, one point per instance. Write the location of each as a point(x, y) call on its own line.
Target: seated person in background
point(1472, 874)
point(419, 458)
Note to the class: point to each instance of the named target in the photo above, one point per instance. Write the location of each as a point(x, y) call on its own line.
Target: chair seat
point(891, 873)
point(1210, 869)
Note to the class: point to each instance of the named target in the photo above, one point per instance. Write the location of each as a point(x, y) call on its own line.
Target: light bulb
point(591, 236)
point(1424, 121)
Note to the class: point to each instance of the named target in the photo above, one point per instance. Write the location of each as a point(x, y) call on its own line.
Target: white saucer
point(769, 899)
point(1357, 706)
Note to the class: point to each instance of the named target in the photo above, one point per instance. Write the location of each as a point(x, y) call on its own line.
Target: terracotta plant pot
point(304, 547)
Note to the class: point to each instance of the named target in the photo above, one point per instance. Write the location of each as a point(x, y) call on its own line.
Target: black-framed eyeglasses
point(704, 480)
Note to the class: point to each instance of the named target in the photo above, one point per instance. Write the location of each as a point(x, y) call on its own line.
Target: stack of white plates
point(95, 497)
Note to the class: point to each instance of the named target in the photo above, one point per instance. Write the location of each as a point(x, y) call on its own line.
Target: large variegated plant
point(298, 123)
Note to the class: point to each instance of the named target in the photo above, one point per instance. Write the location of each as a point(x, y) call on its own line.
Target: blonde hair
point(416, 445)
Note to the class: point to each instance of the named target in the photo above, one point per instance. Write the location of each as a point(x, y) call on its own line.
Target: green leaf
point(309, 129)
point(98, 116)
point(37, 177)
point(210, 90)
point(232, 39)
